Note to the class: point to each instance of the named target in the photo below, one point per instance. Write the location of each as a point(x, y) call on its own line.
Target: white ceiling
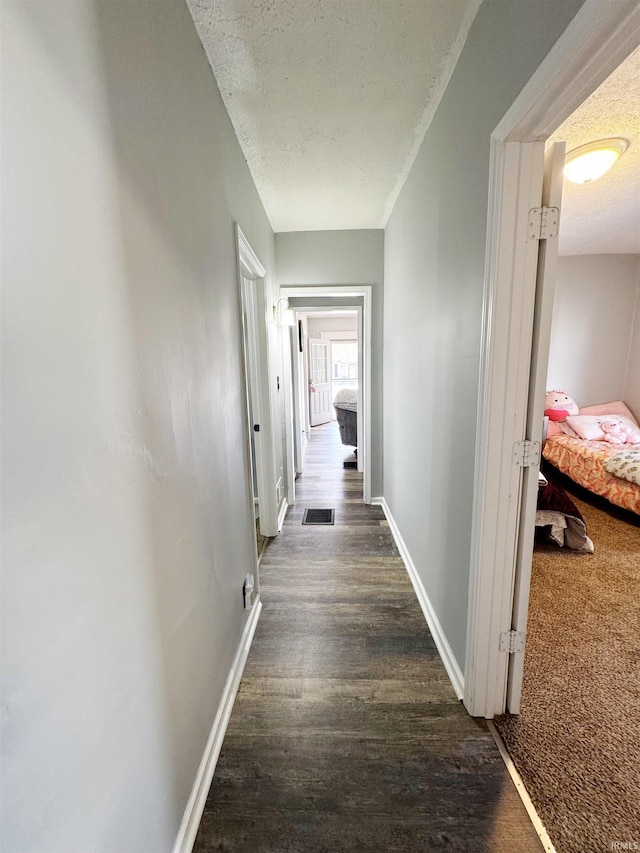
point(330, 99)
point(604, 217)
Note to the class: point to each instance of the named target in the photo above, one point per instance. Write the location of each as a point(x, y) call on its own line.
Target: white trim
point(253, 299)
point(288, 385)
point(365, 324)
point(601, 35)
point(439, 637)
point(284, 506)
point(298, 429)
point(248, 256)
point(195, 805)
point(534, 817)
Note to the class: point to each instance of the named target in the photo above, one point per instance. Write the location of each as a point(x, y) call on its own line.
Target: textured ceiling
point(330, 99)
point(604, 217)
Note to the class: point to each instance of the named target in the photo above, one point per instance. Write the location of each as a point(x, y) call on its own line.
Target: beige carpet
point(576, 741)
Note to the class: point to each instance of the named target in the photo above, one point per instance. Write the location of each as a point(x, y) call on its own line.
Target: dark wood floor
point(346, 735)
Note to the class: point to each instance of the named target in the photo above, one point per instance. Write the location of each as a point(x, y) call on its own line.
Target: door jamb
point(249, 267)
point(599, 38)
point(364, 365)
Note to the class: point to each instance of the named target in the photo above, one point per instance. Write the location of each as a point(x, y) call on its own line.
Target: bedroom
point(576, 736)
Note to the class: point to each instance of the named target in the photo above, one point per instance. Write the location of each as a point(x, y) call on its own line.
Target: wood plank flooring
point(346, 735)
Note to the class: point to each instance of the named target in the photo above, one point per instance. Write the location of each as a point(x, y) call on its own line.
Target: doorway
point(251, 284)
point(598, 40)
point(336, 306)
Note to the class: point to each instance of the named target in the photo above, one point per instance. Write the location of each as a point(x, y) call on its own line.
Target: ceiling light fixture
point(589, 162)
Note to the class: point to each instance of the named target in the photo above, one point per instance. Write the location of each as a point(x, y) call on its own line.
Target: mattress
point(584, 462)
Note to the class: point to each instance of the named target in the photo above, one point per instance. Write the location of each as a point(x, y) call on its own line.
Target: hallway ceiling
point(330, 99)
point(604, 217)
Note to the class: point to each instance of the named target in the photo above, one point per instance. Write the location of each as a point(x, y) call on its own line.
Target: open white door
point(545, 286)
point(319, 382)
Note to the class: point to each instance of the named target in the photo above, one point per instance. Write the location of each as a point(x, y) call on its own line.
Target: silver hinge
point(543, 223)
point(512, 642)
point(526, 453)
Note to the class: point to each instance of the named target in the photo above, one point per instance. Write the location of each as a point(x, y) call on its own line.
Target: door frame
point(257, 385)
point(597, 40)
point(343, 292)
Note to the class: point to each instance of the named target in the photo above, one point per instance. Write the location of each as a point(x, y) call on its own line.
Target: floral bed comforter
point(585, 461)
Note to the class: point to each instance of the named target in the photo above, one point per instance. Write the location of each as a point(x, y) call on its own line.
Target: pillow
point(565, 429)
point(588, 426)
point(615, 408)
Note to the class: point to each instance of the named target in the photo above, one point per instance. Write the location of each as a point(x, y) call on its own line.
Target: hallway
point(346, 734)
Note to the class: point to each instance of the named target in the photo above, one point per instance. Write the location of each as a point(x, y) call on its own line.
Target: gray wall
point(127, 519)
point(343, 257)
point(434, 268)
point(595, 323)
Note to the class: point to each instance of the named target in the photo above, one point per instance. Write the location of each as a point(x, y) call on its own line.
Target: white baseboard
point(195, 806)
point(448, 658)
point(284, 506)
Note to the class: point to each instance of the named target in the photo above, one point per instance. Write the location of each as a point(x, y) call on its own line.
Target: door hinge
point(512, 642)
point(526, 453)
point(543, 223)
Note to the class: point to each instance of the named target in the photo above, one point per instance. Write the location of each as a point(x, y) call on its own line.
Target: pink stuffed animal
point(613, 431)
point(558, 406)
point(633, 435)
point(616, 431)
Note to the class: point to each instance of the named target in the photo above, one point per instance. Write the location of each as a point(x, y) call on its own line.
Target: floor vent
point(318, 516)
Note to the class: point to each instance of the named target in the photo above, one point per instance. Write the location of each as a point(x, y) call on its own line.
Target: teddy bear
point(617, 431)
point(558, 406)
point(613, 432)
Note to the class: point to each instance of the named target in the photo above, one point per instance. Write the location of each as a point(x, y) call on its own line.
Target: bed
point(346, 406)
point(591, 462)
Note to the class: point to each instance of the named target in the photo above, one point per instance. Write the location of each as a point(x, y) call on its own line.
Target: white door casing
point(251, 283)
point(296, 380)
point(288, 342)
point(319, 382)
point(343, 292)
point(602, 34)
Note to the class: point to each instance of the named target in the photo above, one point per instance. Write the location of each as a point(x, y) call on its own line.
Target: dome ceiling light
point(591, 161)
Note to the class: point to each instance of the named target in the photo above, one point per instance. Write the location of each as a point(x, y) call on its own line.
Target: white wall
point(434, 270)
point(631, 393)
point(127, 521)
point(343, 257)
point(594, 324)
point(324, 326)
